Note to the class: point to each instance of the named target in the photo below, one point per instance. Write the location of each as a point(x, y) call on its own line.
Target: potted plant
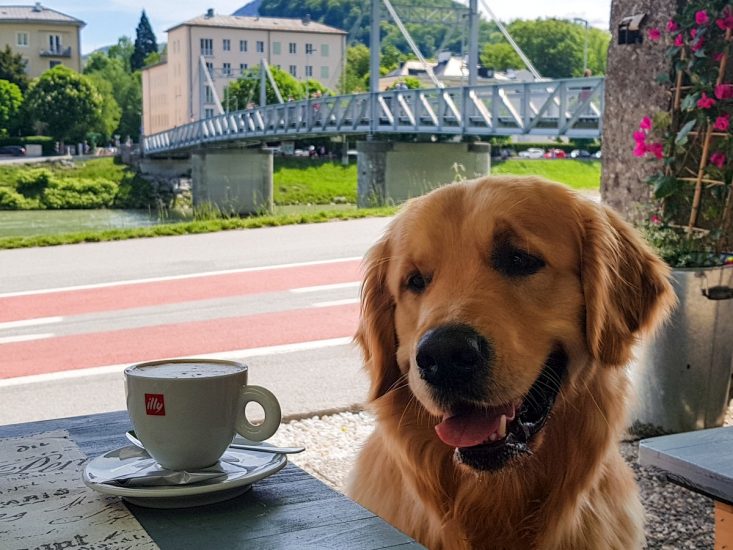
point(683, 374)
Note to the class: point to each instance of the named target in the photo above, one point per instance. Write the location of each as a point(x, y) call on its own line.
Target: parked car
point(14, 150)
point(532, 153)
point(555, 154)
point(598, 154)
point(579, 154)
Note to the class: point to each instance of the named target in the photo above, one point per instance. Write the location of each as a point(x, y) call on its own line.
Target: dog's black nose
point(453, 355)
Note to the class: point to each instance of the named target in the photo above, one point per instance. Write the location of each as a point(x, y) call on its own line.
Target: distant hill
point(249, 10)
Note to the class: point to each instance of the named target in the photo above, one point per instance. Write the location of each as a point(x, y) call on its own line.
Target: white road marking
point(336, 302)
point(234, 354)
point(30, 322)
point(319, 288)
point(174, 277)
point(24, 338)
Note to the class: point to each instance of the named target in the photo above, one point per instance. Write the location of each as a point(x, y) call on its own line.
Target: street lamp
point(585, 43)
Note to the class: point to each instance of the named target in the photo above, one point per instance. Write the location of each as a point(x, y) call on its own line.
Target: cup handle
point(270, 405)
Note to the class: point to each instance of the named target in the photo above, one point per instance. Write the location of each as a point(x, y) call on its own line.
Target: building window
point(226, 44)
point(226, 69)
point(208, 113)
point(208, 95)
point(292, 48)
point(207, 46)
point(22, 39)
point(242, 68)
point(242, 45)
point(53, 63)
point(309, 49)
point(293, 70)
point(276, 48)
point(210, 68)
point(309, 71)
point(324, 72)
point(260, 46)
point(324, 50)
point(54, 42)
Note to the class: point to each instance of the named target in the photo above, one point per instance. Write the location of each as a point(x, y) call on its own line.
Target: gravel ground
point(676, 518)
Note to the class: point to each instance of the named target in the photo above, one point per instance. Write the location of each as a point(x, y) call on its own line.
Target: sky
point(107, 20)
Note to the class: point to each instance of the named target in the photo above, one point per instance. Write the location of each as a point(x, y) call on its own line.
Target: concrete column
point(236, 181)
point(391, 173)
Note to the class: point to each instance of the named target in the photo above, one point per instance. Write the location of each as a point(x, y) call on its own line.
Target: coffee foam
point(185, 370)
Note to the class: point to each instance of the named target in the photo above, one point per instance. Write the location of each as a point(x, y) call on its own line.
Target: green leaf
point(681, 138)
point(689, 103)
point(663, 78)
point(665, 186)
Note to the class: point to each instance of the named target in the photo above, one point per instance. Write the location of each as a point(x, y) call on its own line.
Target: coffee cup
point(187, 411)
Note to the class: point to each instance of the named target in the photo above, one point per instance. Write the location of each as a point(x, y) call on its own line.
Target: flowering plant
point(693, 137)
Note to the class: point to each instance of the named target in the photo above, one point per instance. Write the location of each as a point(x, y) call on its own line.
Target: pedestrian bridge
point(571, 108)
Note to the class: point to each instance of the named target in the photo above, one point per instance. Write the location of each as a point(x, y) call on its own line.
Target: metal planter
point(682, 374)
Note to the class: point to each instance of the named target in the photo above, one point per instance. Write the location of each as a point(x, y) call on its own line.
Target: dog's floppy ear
point(626, 286)
point(376, 332)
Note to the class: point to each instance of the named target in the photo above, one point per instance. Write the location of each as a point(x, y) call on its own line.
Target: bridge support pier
point(392, 172)
point(236, 181)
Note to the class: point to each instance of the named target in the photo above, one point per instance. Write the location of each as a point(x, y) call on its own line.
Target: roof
point(259, 23)
point(36, 13)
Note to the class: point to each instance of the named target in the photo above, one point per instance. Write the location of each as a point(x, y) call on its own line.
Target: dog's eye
point(513, 262)
point(417, 283)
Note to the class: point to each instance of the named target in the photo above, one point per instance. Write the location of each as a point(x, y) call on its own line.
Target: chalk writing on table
point(44, 505)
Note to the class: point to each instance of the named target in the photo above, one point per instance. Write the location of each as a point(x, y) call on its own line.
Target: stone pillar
point(236, 181)
point(632, 92)
point(392, 172)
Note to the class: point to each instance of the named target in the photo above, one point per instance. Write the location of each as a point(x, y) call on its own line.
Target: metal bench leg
point(723, 526)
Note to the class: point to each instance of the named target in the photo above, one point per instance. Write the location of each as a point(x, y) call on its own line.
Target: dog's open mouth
point(487, 438)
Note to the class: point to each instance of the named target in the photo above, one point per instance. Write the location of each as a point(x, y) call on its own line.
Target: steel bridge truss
point(570, 108)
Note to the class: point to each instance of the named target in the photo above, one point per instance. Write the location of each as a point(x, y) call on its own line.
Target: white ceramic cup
point(186, 411)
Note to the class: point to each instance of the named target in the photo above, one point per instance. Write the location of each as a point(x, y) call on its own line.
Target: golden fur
point(601, 287)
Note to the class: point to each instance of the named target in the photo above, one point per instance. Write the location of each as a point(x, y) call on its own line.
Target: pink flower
point(722, 123)
point(724, 91)
point(654, 34)
point(640, 149)
point(672, 25)
point(678, 40)
point(699, 43)
point(693, 33)
point(657, 149)
point(718, 159)
point(646, 123)
point(656, 220)
point(717, 57)
point(701, 17)
point(705, 102)
point(639, 136)
point(726, 21)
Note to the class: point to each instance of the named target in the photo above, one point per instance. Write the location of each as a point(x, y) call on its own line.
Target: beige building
point(176, 91)
point(44, 37)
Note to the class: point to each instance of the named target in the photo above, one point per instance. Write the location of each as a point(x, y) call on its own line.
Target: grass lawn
point(578, 174)
point(313, 181)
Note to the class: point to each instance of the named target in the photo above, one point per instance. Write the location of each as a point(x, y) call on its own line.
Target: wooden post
point(700, 176)
point(723, 526)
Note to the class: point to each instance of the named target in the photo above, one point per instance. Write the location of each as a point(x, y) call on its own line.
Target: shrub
point(12, 200)
point(82, 193)
point(34, 182)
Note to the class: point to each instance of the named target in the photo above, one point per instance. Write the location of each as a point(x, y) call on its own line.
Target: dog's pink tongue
point(473, 427)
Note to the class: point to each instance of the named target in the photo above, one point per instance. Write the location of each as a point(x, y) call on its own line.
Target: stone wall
point(632, 93)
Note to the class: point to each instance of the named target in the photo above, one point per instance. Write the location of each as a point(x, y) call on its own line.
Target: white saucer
point(242, 469)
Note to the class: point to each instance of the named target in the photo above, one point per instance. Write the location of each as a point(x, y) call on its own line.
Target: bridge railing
point(570, 107)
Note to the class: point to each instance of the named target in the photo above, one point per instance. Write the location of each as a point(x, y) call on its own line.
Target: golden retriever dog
point(497, 317)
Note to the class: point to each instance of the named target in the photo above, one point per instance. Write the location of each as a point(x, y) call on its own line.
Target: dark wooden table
point(290, 509)
point(701, 461)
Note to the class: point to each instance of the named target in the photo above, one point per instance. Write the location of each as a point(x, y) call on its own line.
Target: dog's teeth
point(502, 426)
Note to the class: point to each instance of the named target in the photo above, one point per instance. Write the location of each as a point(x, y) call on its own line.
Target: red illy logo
point(154, 404)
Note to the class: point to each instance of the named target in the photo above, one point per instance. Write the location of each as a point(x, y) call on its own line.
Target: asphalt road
point(284, 300)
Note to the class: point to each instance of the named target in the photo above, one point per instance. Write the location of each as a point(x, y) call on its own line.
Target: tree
point(357, 68)
point(109, 113)
point(12, 68)
point(554, 46)
point(500, 57)
point(65, 102)
point(145, 43)
point(11, 100)
point(123, 51)
point(246, 89)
